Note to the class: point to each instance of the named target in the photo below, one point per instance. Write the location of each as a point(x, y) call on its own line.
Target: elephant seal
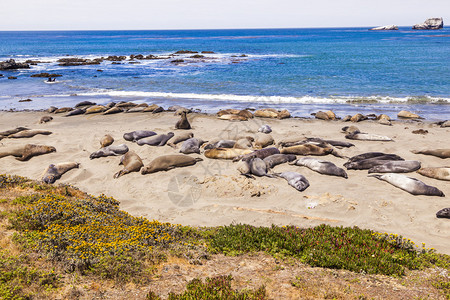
point(110, 151)
point(408, 115)
point(262, 153)
point(358, 118)
point(113, 110)
point(137, 135)
point(51, 109)
point(443, 213)
point(55, 171)
point(168, 162)
point(95, 109)
point(31, 150)
point(331, 142)
point(266, 113)
point(191, 145)
point(442, 153)
point(245, 113)
point(244, 143)
point(442, 173)
point(29, 133)
point(410, 185)
point(229, 111)
point(45, 119)
point(106, 141)
point(321, 115)
point(350, 129)
point(265, 129)
point(158, 110)
point(226, 153)
point(136, 109)
point(151, 108)
point(12, 131)
point(263, 140)
point(444, 124)
point(85, 103)
point(396, 166)
point(320, 166)
point(221, 144)
point(157, 140)
point(307, 149)
point(131, 162)
point(384, 120)
point(255, 166)
point(17, 151)
point(183, 123)
point(233, 118)
point(368, 155)
point(284, 114)
point(296, 180)
point(180, 137)
point(277, 159)
point(368, 137)
point(63, 110)
point(369, 163)
point(76, 112)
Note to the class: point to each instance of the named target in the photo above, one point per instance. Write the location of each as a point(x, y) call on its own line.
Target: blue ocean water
point(303, 70)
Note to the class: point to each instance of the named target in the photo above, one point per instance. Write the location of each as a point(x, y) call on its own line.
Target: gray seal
point(410, 185)
point(368, 137)
point(321, 166)
point(443, 213)
point(255, 166)
point(296, 180)
point(277, 159)
point(137, 135)
point(396, 166)
point(55, 171)
point(191, 145)
point(183, 123)
point(331, 142)
point(265, 129)
point(110, 151)
point(262, 153)
point(75, 112)
point(157, 140)
point(180, 137)
point(221, 144)
point(369, 163)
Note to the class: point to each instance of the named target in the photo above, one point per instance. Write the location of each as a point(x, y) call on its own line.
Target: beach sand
point(213, 193)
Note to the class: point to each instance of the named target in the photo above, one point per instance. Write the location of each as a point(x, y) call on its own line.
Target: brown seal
point(408, 115)
point(226, 153)
point(183, 123)
point(113, 110)
point(31, 150)
point(350, 129)
point(263, 140)
point(168, 162)
point(358, 118)
point(245, 113)
point(441, 173)
point(266, 113)
point(442, 153)
point(180, 137)
point(229, 111)
point(63, 110)
point(106, 141)
point(55, 171)
point(95, 109)
point(232, 117)
point(29, 133)
point(131, 162)
point(262, 153)
point(284, 114)
point(12, 131)
point(307, 149)
point(45, 119)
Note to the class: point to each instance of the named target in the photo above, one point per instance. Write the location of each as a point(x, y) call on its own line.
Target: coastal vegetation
point(52, 233)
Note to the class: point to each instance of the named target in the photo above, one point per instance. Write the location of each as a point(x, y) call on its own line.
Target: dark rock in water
point(185, 52)
point(1, 75)
point(115, 58)
point(208, 52)
point(430, 24)
point(12, 77)
point(99, 70)
point(197, 56)
point(85, 103)
point(443, 213)
point(47, 75)
point(12, 65)
point(25, 100)
point(176, 61)
point(116, 63)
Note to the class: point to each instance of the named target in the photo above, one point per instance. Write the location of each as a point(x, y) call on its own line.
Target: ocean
point(347, 70)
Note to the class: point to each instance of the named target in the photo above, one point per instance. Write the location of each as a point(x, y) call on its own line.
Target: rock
point(430, 24)
point(197, 56)
point(12, 77)
point(1, 75)
point(25, 100)
point(208, 52)
point(12, 65)
point(47, 75)
point(387, 27)
point(177, 61)
point(185, 52)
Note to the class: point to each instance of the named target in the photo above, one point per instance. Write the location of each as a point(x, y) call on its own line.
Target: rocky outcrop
point(74, 61)
point(48, 75)
point(185, 52)
point(429, 24)
point(12, 65)
point(387, 27)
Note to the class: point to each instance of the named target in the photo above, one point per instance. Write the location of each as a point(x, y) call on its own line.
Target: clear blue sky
point(206, 14)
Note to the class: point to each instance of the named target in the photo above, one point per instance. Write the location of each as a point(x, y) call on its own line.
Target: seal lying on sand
point(296, 180)
point(168, 162)
point(180, 137)
point(131, 162)
point(12, 131)
point(368, 163)
point(255, 166)
point(157, 140)
point(106, 141)
point(277, 159)
point(442, 153)
point(110, 151)
point(31, 150)
point(137, 135)
point(443, 213)
point(307, 149)
point(399, 166)
point(29, 133)
point(410, 185)
point(262, 153)
point(191, 145)
point(320, 166)
point(442, 173)
point(350, 129)
point(263, 140)
point(55, 171)
point(45, 119)
point(331, 142)
point(183, 123)
point(265, 129)
point(226, 153)
point(368, 137)
point(76, 112)
point(221, 144)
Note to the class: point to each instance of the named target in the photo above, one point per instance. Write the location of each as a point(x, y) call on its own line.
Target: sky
point(214, 14)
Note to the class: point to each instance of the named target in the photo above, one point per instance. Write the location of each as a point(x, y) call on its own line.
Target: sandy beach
point(213, 192)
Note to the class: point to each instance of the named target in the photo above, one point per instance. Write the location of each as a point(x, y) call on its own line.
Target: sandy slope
point(213, 193)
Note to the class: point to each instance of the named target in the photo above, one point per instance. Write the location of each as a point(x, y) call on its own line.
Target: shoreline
point(220, 196)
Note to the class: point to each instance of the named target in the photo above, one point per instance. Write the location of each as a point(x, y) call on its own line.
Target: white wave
point(268, 99)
